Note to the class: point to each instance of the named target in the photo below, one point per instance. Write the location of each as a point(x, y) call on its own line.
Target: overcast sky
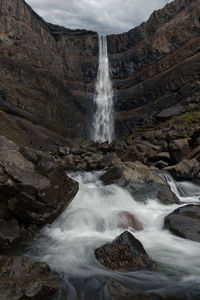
point(103, 16)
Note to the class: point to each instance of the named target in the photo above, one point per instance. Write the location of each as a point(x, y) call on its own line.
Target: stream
point(92, 220)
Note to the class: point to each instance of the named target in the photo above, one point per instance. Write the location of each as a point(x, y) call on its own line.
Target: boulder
point(185, 170)
point(196, 153)
point(170, 112)
point(118, 291)
point(160, 164)
point(109, 160)
point(185, 222)
point(134, 153)
point(33, 190)
point(179, 150)
point(141, 182)
point(124, 253)
point(9, 234)
point(128, 172)
point(162, 156)
point(21, 278)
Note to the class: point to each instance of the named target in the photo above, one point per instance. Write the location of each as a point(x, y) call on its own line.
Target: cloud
point(103, 16)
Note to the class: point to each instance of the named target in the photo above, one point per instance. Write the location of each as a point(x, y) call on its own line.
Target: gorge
point(100, 158)
point(43, 63)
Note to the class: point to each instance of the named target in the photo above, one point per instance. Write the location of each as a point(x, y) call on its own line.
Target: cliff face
point(47, 76)
point(48, 72)
point(157, 65)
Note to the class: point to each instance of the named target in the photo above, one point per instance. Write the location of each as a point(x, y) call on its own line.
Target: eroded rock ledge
point(156, 65)
point(34, 190)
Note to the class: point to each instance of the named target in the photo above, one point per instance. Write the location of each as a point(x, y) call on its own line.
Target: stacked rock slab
point(33, 192)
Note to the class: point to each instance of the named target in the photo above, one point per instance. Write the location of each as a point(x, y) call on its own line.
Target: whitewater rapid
point(92, 219)
point(103, 119)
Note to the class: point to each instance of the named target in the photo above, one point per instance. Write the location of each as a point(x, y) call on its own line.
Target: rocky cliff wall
point(47, 74)
point(156, 65)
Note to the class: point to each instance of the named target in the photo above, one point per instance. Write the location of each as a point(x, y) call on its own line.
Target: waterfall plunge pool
point(91, 220)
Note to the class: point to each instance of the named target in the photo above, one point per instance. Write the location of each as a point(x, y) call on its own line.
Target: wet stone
point(124, 253)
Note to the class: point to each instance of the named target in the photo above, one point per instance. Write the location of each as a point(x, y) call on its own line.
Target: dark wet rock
point(93, 161)
point(9, 234)
point(124, 253)
point(21, 278)
point(162, 156)
point(123, 174)
point(161, 164)
point(33, 190)
point(170, 112)
point(196, 153)
point(141, 182)
point(179, 150)
point(118, 291)
point(185, 170)
point(185, 222)
point(109, 160)
point(135, 152)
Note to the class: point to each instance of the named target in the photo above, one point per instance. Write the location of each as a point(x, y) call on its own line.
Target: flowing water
point(92, 219)
point(103, 120)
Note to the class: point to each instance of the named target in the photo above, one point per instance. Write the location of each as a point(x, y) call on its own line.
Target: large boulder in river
point(185, 169)
point(118, 291)
point(124, 253)
point(185, 222)
point(34, 190)
point(21, 278)
point(179, 150)
point(141, 182)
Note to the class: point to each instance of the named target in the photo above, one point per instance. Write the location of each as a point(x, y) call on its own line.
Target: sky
point(103, 16)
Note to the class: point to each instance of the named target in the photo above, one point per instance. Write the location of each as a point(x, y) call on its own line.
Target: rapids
point(91, 220)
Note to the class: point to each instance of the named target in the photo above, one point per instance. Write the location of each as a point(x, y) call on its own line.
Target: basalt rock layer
point(47, 76)
point(48, 73)
point(156, 65)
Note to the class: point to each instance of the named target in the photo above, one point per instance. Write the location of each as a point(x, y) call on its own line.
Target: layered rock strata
point(47, 75)
point(156, 65)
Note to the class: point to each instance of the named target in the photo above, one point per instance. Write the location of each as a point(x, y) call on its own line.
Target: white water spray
point(103, 122)
point(92, 219)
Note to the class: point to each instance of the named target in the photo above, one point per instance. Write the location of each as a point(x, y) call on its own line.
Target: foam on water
point(91, 220)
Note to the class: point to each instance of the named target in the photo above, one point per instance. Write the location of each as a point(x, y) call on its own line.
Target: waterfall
point(103, 121)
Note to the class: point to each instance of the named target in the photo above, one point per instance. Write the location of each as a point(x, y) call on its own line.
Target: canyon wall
point(48, 73)
point(47, 76)
point(157, 65)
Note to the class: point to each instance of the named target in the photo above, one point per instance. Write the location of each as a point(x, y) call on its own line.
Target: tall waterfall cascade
point(103, 120)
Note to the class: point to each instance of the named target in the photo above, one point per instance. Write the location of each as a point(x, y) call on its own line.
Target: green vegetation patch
point(185, 120)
